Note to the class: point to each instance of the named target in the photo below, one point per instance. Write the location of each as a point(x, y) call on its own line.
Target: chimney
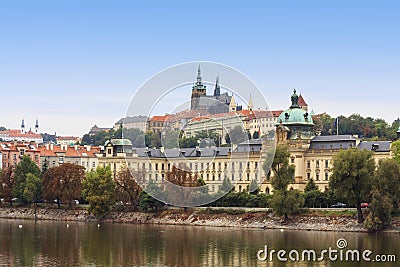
point(51, 146)
point(88, 147)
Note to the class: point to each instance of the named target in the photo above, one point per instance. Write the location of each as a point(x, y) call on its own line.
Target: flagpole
point(337, 126)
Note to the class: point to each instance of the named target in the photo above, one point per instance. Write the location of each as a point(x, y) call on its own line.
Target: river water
point(47, 243)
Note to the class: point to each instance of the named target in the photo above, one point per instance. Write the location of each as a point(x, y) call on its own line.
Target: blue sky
point(74, 64)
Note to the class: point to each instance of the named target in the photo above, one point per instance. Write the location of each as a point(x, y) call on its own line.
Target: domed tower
point(294, 123)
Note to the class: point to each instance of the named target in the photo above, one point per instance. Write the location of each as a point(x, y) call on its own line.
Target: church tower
point(250, 105)
point(198, 90)
point(232, 105)
point(37, 126)
point(23, 126)
point(217, 90)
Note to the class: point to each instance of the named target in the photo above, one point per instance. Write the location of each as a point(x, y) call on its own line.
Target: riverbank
point(313, 221)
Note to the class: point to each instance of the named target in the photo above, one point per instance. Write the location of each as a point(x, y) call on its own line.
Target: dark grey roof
point(334, 142)
point(333, 138)
point(377, 146)
point(257, 141)
point(183, 152)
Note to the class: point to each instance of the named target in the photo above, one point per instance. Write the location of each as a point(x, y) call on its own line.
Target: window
point(326, 163)
point(233, 177)
point(162, 166)
point(15, 157)
point(93, 164)
point(255, 165)
point(317, 177)
point(317, 163)
point(233, 165)
point(326, 176)
point(292, 160)
point(37, 158)
point(109, 151)
point(156, 166)
point(61, 159)
point(156, 176)
point(308, 176)
point(248, 177)
point(308, 164)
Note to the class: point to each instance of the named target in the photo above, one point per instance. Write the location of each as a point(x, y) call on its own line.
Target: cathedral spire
point(217, 90)
point(198, 75)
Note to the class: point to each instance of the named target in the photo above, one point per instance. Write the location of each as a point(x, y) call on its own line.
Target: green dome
point(295, 115)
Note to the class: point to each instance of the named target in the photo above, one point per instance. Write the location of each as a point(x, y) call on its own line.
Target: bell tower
point(198, 90)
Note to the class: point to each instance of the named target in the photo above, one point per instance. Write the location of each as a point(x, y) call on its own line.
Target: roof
point(301, 101)
point(295, 116)
point(121, 142)
point(183, 152)
point(133, 119)
point(68, 151)
point(334, 138)
point(334, 142)
point(377, 146)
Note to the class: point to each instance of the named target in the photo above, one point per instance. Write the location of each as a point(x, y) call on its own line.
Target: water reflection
point(85, 244)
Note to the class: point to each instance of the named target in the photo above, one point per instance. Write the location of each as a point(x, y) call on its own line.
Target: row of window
point(195, 166)
point(317, 176)
point(317, 163)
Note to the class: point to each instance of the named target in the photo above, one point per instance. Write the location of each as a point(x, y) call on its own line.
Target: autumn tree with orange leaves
point(63, 183)
point(128, 186)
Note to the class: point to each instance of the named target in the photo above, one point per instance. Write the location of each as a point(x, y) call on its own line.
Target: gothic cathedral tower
point(198, 90)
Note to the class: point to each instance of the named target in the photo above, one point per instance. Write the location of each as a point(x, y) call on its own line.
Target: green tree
point(310, 186)
point(256, 135)
point(312, 195)
point(226, 186)
point(385, 194)
point(136, 136)
point(23, 168)
point(99, 191)
point(152, 139)
point(238, 135)
point(353, 170)
point(253, 187)
point(284, 202)
point(396, 150)
point(32, 189)
point(149, 203)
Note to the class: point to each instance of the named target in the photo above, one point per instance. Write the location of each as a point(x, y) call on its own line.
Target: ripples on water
point(47, 243)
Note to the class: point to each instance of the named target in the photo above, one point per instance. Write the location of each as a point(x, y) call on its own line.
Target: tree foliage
point(128, 186)
point(355, 124)
point(23, 168)
point(32, 188)
point(63, 183)
point(284, 202)
point(353, 170)
point(238, 135)
point(385, 195)
point(99, 191)
point(7, 184)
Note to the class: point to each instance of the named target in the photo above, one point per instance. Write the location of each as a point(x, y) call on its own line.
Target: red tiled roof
point(301, 101)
